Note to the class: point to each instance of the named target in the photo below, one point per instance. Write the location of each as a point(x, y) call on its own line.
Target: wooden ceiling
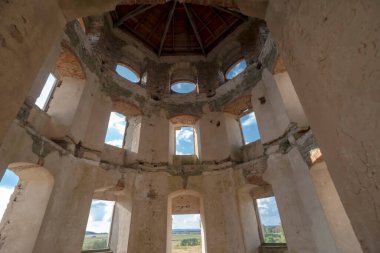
point(176, 28)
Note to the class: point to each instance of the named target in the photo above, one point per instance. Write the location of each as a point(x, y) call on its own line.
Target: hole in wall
point(127, 73)
point(183, 87)
point(236, 69)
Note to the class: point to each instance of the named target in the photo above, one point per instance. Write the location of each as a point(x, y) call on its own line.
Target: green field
point(95, 241)
point(273, 234)
point(182, 242)
point(186, 242)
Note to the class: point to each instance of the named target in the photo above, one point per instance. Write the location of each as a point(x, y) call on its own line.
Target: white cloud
point(186, 221)
point(117, 122)
point(5, 195)
point(185, 134)
point(249, 119)
point(100, 218)
point(116, 143)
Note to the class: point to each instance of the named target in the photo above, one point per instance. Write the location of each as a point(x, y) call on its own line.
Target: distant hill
point(186, 231)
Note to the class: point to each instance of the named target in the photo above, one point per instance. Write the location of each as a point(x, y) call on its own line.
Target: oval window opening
point(236, 69)
point(127, 73)
point(183, 87)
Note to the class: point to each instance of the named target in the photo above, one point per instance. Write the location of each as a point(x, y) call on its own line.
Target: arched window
point(61, 94)
point(270, 221)
point(184, 140)
point(26, 209)
point(236, 69)
point(249, 128)
point(116, 130)
point(7, 187)
point(127, 73)
point(98, 228)
point(183, 87)
point(185, 226)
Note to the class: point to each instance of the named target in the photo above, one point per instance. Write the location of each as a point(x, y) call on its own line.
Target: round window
point(183, 87)
point(236, 69)
point(127, 73)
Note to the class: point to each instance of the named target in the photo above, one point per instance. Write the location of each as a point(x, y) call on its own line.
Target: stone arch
point(185, 202)
point(133, 116)
point(71, 83)
point(126, 108)
point(247, 195)
point(239, 105)
point(183, 71)
point(26, 209)
point(112, 186)
point(69, 64)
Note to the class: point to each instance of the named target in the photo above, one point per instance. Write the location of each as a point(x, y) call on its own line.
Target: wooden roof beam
point(168, 21)
point(195, 29)
point(133, 13)
point(203, 23)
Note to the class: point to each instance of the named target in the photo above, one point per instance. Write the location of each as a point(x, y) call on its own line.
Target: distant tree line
point(190, 242)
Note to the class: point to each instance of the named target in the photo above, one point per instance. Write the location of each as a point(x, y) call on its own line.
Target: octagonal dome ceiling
point(176, 28)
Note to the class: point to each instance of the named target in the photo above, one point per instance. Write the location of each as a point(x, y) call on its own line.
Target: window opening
point(186, 233)
point(47, 91)
point(7, 187)
point(127, 73)
point(183, 87)
point(99, 225)
point(184, 139)
point(116, 130)
point(270, 222)
point(249, 128)
point(236, 69)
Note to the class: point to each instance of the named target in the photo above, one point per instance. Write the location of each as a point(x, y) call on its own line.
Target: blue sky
point(116, 129)
point(183, 87)
point(127, 73)
point(184, 141)
point(249, 128)
point(268, 211)
point(100, 218)
point(186, 221)
point(237, 69)
point(46, 91)
point(7, 186)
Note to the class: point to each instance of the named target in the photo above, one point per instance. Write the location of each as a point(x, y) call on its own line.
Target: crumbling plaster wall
point(115, 47)
point(330, 50)
point(24, 32)
point(68, 206)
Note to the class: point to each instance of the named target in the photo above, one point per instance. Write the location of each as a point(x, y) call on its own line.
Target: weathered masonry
point(232, 111)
